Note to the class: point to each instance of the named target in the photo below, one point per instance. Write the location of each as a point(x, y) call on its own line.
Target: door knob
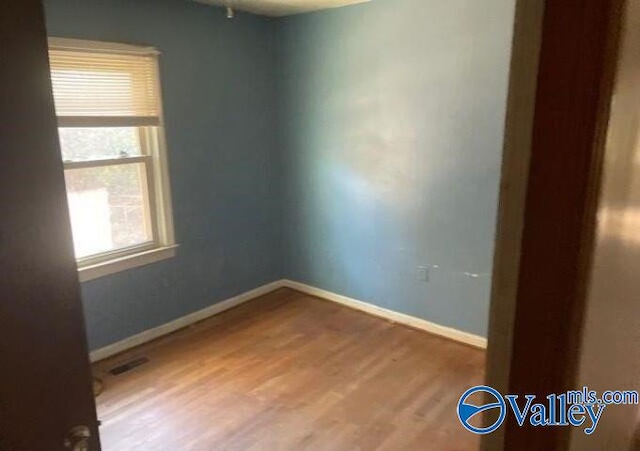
point(77, 438)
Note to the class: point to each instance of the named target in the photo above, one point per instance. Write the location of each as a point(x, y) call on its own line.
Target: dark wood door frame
point(542, 272)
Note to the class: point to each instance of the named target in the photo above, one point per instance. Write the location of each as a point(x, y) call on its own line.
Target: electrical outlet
point(423, 273)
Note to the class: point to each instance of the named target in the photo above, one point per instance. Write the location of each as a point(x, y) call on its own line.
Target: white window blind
point(104, 89)
point(109, 111)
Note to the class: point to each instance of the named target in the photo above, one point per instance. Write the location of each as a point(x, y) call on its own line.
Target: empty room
point(282, 216)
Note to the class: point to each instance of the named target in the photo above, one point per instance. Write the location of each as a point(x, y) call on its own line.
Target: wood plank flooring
point(288, 371)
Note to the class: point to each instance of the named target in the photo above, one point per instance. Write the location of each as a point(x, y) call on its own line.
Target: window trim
point(164, 245)
point(126, 262)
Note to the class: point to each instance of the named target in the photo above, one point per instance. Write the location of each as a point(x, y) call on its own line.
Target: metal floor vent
point(128, 366)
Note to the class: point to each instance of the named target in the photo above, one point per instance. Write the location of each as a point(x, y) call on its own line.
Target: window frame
point(154, 157)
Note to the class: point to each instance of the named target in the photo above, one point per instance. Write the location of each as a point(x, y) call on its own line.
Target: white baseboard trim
point(400, 318)
point(180, 323)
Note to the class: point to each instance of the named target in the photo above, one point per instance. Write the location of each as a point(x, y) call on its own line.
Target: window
point(107, 100)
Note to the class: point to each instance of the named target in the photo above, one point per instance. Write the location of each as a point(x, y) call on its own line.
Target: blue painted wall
point(217, 80)
point(392, 122)
point(341, 149)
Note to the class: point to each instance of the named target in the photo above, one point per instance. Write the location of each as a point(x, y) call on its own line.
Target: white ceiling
point(278, 8)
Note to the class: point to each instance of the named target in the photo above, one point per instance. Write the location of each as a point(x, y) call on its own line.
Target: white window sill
point(98, 270)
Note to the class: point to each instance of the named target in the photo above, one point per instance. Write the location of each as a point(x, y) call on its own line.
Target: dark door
point(45, 378)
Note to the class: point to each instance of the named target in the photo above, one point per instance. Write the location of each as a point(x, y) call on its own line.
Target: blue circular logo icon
point(467, 411)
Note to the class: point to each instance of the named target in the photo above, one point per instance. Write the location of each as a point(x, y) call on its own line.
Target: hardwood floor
point(289, 371)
